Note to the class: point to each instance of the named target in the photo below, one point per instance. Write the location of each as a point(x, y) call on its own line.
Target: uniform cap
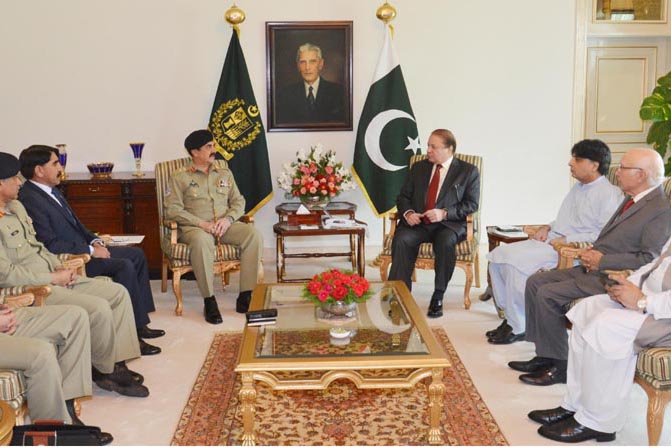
point(198, 139)
point(9, 165)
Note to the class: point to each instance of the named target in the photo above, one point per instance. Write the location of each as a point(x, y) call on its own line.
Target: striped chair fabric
point(467, 251)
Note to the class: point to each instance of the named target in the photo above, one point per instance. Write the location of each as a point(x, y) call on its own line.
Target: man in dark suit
point(314, 99)
point(632, 237)
point(59, 229)
point(438, 194)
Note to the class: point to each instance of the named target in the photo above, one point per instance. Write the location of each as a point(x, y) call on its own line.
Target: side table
point(495, 239)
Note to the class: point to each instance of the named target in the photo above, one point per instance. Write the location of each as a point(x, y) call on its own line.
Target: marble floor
point(171, 374)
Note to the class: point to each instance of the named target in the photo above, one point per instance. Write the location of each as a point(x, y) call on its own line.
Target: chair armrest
point(469, 227)
point(41, 293)
point(247, 219)
point(531, 229)
point(624, 273)
point(77, 262)
point(16, 301)
point(171, 225)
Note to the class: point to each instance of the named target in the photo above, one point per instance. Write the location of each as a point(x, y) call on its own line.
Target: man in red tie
point(438, 194)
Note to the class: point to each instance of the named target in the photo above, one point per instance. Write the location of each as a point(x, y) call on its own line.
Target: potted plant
point(657, 108)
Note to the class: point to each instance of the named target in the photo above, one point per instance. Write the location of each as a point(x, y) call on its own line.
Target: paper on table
point(302, 210)
point(128, 239)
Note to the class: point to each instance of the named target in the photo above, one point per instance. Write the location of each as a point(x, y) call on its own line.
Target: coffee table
point(390, 346)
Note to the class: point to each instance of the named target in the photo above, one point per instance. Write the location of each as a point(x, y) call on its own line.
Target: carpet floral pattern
point(340, 415)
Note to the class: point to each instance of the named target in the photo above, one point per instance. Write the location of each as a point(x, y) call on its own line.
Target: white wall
point(96, 74)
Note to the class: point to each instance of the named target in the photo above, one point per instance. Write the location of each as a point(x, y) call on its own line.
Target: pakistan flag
point(387, 134)
point(238, 130)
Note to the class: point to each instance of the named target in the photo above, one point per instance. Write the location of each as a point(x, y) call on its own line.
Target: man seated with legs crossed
point(609, 330)
point(59, 229)
point(437, 196)
point(633, 236)
point(584, 211)
point(24, 261)
point(204, 200)
point(51, 347)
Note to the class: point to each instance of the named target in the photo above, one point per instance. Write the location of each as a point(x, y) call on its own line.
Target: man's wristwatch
point(642, 304)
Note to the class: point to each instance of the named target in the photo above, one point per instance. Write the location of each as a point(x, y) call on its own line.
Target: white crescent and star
point(372, 138)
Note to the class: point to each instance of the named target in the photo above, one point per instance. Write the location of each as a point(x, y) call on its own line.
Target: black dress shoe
point(105, 438)
point(122, 374)
point(544, 377)
point(133, 389)
point(211, 311)
point(570, 430)
point(488, 295)
point(146, 332)
point(435, 309)
point(242, 303)
point(551, 416)
point(532, 365)
point(147, 349)
point(504, 326)
point(505, 338)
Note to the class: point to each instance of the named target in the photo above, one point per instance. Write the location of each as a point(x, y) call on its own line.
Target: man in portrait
point(313, 99)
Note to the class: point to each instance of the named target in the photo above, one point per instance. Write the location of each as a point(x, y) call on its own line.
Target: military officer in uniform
point(51, 346)
point(25, 261)
point(205, 202)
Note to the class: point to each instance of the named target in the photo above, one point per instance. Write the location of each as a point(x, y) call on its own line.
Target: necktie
point(311, 98)
point(626, 206)
point(432, 193)
point(59, 196)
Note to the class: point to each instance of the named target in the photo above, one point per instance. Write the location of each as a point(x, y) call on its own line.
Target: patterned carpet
point(340, 415)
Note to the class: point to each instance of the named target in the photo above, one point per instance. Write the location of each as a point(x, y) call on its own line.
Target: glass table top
point(381, 326)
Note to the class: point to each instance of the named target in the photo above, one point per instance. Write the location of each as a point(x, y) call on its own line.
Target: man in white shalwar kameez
point(584, 211)
point(608, 332)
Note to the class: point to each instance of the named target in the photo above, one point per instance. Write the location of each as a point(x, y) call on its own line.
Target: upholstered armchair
point(467, 251)
point(176, 255)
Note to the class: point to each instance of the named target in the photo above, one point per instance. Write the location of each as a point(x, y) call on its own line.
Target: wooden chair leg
point(468, 270)
point(657, 402)
point(164, 275)
point(384, 268)
point(477, 270)
point(177, 290)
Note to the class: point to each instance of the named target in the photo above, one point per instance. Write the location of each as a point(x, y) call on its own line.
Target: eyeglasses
point(629, 167)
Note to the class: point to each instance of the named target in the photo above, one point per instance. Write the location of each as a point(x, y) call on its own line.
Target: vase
point(339, 309)
point(315, 203)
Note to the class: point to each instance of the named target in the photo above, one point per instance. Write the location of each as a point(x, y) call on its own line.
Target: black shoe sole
point(604, 437)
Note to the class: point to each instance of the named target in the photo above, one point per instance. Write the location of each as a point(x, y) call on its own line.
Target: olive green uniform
point(52, 348)
point(195, 196)
point(26, 262)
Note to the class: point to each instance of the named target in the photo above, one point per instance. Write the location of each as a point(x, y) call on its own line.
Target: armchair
point(467, 251)
point(176, 255)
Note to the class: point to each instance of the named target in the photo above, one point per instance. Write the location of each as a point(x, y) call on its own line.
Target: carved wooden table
point(400, 349)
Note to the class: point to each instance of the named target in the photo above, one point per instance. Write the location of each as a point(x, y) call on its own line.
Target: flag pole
point(234, 16)
point(385, 13)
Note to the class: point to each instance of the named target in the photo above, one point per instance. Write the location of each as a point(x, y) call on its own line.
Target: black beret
point(198, 139)
point(9, 165)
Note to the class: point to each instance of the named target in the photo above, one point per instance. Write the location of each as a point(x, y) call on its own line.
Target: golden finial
point(386, 13)
point(235, 16)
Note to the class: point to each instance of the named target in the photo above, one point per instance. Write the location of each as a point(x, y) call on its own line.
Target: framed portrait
point(309, 76)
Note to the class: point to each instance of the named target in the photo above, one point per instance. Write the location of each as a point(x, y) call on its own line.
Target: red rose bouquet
point(332, 286)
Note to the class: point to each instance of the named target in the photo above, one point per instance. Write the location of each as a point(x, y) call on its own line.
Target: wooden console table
point(121, 204)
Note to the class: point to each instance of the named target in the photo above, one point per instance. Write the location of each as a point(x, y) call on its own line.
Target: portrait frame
point(284, 82)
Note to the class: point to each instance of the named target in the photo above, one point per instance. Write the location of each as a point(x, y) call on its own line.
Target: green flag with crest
point(238, 130)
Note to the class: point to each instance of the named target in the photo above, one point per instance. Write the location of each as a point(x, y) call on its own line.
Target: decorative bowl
point(102, 169)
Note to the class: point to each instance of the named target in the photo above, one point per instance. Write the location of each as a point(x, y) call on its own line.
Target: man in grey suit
point(608, 332)
point(633, 237)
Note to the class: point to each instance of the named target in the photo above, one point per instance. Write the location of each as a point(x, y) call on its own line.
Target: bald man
point(632, 237)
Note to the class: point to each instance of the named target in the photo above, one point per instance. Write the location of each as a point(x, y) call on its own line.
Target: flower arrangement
point(315, 174)
point(332, 286)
